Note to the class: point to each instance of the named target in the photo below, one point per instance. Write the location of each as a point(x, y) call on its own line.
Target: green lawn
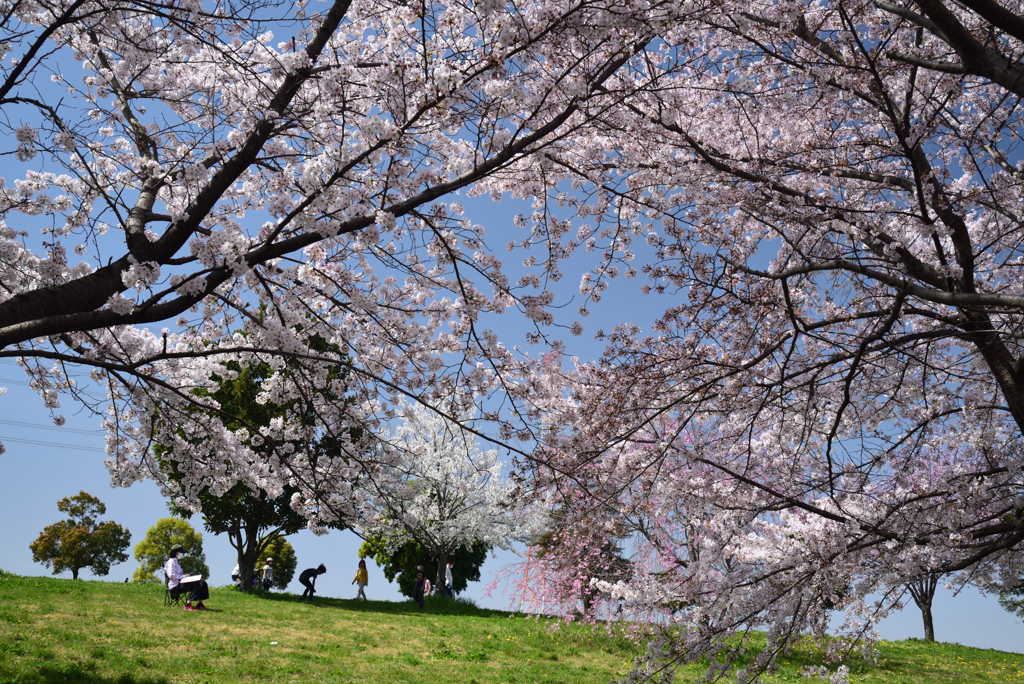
point(54, 630)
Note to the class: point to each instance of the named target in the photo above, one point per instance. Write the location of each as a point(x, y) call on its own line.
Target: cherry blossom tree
point(250, 519)
point(440, 490)
point(827, 195)
point(267, 178)
point(1012, 598)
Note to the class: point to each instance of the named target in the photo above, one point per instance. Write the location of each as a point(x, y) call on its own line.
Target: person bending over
point(197, 589)
point(308, 580)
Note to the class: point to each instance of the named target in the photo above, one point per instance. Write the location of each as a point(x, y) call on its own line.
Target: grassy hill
point(54, 630)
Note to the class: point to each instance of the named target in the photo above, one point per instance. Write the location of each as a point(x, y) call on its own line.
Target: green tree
point(81, 541)
point(285, 561)
point(402, 562)
point(153, 551)
point(250, 520)
point(1012, 598)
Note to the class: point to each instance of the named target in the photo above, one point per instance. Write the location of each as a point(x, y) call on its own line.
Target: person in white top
point(268, 574)
point(236, 575)
point(197, 589)
point(448, 580)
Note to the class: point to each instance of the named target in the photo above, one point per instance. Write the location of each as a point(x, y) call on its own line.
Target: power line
point(39, 426)
point(26, 383)
point(36, 442)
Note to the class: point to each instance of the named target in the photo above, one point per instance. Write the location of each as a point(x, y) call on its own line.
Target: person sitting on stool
point(197, 589)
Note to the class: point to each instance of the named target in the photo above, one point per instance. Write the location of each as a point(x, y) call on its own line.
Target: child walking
point(362, 579)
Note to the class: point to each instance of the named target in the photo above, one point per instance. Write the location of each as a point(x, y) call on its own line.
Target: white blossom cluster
point(440, 489)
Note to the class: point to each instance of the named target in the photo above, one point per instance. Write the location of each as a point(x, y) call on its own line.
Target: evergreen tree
point(402, 562)
point(153, 551)
point(285, 561)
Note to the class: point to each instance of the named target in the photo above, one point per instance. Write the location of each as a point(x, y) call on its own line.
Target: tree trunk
point(247, 560)
point(247, 569)
point(588, 601)
point(929, 628)
point(442, 565)
point(74, 573)
point(923, 591)
point(246, 543)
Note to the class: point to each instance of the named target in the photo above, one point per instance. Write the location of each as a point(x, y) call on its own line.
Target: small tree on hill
point(81, 541)
point(440, 489)
point(285, 561)
point(401, 562)
point(152, 552)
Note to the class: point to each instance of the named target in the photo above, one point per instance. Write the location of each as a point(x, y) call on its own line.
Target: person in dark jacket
point(308, 580)
point(418, 589)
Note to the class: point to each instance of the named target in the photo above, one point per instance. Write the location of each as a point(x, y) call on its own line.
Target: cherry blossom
point(825, 195)
point(830, 407)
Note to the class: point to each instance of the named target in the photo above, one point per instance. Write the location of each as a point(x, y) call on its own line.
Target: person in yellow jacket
point(362, 579)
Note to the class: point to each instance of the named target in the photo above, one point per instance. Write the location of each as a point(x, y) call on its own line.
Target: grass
point(54, 630)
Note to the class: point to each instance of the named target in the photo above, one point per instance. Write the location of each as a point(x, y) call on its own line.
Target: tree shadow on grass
point(435, 606)
point(54, 675)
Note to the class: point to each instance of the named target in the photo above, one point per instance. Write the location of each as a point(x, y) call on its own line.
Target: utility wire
point(39, 426)
point(37, 442)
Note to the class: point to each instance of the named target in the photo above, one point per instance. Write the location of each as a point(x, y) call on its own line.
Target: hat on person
point(179, 549)
point(270, 560)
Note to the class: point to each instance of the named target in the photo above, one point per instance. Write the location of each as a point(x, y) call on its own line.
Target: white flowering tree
point(441, 489)
point(832, 405)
